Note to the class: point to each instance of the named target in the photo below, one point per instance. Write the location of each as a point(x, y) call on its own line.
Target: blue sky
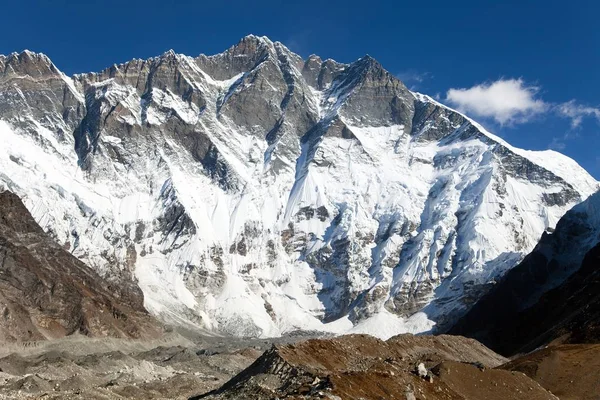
point(528, 70)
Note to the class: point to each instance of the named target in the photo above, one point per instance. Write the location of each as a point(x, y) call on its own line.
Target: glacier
point(255, 193)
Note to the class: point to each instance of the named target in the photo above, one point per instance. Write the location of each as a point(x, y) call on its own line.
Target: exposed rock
point(45, 292)
point(362, 367)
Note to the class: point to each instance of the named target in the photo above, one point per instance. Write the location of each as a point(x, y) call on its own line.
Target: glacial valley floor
point(301, 366)
point(174, 367)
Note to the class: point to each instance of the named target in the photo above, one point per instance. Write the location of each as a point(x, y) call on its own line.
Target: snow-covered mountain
point(255, 193)
point(553, 295)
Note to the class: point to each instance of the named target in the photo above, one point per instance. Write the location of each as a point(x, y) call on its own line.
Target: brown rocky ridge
point(362, 367)
point(47, 293)
point(569, 371)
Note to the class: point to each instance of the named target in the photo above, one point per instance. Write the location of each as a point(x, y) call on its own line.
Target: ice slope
point(255, 193)
point(553, 161)
point(550, 296)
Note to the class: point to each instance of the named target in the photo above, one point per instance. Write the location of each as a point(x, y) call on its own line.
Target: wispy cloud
point(506, 101)
point(557, 144)
point(299, 42)
point(577, 112)
point(560, 142)
point(413, 78)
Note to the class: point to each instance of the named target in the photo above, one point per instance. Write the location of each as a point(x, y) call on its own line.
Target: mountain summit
point(255, 193)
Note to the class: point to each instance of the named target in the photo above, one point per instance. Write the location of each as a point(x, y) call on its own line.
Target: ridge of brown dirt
point(570, 371)
point(363, 367)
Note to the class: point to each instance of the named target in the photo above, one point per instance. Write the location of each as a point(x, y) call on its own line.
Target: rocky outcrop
point(569, 313)
point(35, 95)
point(46, 293)
point(360, 366)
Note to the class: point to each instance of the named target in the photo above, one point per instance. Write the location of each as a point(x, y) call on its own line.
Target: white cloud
point(507, 101)
point(511, 101)
point(576, 112)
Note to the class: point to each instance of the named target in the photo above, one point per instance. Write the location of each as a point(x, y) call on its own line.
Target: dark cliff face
point(32, 86)
point(46, 293)
point(553, 296)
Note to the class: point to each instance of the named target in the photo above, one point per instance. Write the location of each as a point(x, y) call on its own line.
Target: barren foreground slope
point(569, 371)
point(363, 367)
point(347, 367)
point(107, 368)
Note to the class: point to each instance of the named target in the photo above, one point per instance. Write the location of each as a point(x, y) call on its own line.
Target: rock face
point(256, 193)
point(552, 296)
point(362, 367)
point(46, 293)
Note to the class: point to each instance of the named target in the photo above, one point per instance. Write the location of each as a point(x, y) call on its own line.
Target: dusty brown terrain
point(347, 367)
point(175, 366)
point(46, 293)
point(363, 367)
point(571, 372)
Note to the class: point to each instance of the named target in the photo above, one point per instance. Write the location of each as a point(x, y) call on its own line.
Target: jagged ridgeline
point(255, 193)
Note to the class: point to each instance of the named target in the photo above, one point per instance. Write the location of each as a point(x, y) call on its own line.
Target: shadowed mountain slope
point(45, 292)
